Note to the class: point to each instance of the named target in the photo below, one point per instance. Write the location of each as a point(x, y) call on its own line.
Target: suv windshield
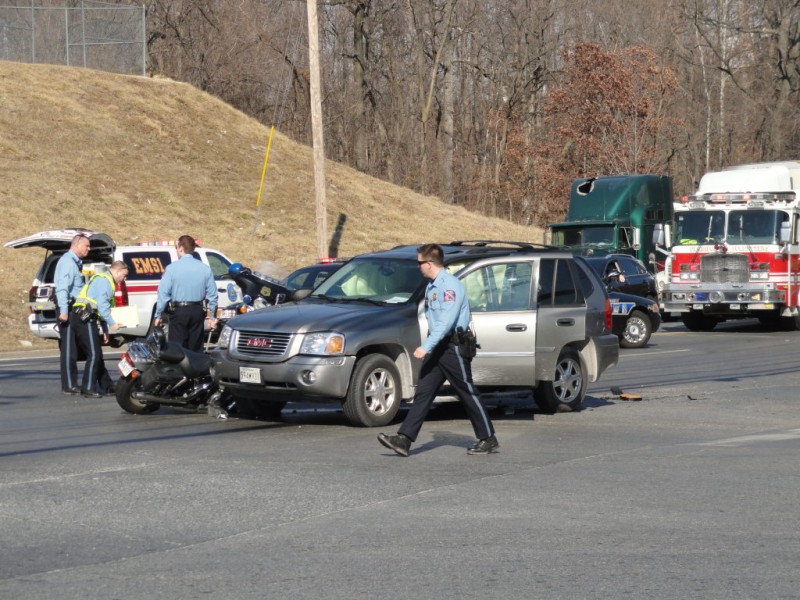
point(378, 279)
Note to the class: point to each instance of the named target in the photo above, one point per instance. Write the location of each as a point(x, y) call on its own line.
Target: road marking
point(792, 434)
point(646, 352)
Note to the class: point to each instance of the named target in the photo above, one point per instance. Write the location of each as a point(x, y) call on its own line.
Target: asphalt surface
point(689, 493)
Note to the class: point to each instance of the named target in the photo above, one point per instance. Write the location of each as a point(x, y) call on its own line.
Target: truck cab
point(616, 215)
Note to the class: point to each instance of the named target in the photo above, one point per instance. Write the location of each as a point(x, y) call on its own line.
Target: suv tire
point(568, 388)
point(375, 392)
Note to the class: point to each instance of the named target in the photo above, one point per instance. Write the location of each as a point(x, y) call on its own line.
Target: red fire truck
point(735, 252)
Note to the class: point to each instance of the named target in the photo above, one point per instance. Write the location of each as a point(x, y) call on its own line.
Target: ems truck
point(146, 263)
point(735, 251)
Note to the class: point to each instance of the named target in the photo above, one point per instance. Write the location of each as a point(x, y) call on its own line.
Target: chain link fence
point(107, 38)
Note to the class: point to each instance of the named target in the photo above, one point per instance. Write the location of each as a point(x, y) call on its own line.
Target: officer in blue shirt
point(445, 355)
point(185, 284)
point(91, 321)
point(69, 281)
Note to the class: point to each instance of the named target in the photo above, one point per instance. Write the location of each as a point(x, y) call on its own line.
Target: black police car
point(633, 319)
point(624, 273)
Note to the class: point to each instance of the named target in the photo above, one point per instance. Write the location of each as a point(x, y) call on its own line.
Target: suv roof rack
point(521, 246)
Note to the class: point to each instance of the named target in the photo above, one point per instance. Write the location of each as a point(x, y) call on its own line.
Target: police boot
point(399, 443)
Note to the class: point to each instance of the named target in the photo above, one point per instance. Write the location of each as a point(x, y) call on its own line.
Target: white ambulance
point(146, 263)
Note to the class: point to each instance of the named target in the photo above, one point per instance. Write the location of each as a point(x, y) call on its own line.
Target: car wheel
point(568, 388)
point(638, 329)
point(375, 392)
point(127, 390)
point(695, 321)
point(270, 411)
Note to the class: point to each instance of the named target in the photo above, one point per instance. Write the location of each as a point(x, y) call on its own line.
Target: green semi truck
point(617, 214)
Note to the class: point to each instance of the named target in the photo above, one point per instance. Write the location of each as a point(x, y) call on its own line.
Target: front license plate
point(736, 306)
point(249, 375)
point(697, 306)
point(125, 368)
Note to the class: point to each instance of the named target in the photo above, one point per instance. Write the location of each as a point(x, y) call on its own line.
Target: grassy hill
point(142, 159)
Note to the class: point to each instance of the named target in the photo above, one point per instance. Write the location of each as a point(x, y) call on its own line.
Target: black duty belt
point(182, 304)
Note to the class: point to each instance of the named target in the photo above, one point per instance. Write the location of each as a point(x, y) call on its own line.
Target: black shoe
point(486, 446)
point(71, 391)
point(92, 395)
point(399, 443)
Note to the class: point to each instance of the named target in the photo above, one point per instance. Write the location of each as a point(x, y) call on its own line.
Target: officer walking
point(69, 282)
point(90, 314)
point(185, 284)
point(447, 355)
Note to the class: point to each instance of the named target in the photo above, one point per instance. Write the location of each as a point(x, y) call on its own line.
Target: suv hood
point(59, 240)
point(312, 316)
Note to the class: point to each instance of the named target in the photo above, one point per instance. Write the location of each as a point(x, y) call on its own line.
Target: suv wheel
point(568, 388)
point(637, 330)
point(374, 395)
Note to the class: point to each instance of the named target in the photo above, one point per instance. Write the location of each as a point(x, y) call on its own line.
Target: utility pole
point(316, 130)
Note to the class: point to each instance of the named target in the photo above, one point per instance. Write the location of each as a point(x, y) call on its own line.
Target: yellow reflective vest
point(83, 298)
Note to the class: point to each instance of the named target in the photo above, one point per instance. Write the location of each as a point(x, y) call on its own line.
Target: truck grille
point(262, 343)
point(724, 268)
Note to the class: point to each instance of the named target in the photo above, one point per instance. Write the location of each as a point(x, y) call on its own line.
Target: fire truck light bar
point(752, 199)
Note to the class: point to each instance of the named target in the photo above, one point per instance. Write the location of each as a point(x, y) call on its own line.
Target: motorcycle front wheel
point(126, 390)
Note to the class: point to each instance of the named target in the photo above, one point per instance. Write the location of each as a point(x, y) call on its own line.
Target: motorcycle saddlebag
point(160, 374)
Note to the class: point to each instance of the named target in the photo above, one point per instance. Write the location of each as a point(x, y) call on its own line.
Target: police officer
point(445, 355)
point(185, 284)
point(91, 314)
point(69, 281)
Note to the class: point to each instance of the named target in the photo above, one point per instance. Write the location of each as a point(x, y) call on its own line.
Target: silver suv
point(542, 318)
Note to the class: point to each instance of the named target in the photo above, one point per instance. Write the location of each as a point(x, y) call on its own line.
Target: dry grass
point(144, 159)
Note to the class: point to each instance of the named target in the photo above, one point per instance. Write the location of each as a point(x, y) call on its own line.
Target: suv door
point(561, 311)
point(504, 322)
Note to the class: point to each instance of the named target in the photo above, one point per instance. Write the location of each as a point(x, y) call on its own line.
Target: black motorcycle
point(156, 372)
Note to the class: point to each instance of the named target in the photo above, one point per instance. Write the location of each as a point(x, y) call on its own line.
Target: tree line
point(497, 106)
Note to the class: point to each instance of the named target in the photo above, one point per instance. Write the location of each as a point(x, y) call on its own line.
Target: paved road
point(690, 493)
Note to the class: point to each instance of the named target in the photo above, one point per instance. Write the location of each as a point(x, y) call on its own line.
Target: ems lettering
point(147, 266)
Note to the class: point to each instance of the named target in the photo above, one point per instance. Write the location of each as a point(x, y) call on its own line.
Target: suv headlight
point(224, 337)
point(323, 343)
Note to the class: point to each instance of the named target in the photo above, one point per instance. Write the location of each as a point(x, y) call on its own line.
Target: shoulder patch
point(449, 295)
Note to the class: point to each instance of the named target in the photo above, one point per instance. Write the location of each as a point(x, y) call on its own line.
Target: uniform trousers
point(69, 355)
point(446, 362)
point(186, 326)
point(88, 338)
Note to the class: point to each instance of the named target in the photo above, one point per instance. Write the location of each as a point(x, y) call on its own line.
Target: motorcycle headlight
point(224, 337)
point(323, 343)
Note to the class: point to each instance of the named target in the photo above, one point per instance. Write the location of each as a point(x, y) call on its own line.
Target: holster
point(85, 314)
point(467, 342)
